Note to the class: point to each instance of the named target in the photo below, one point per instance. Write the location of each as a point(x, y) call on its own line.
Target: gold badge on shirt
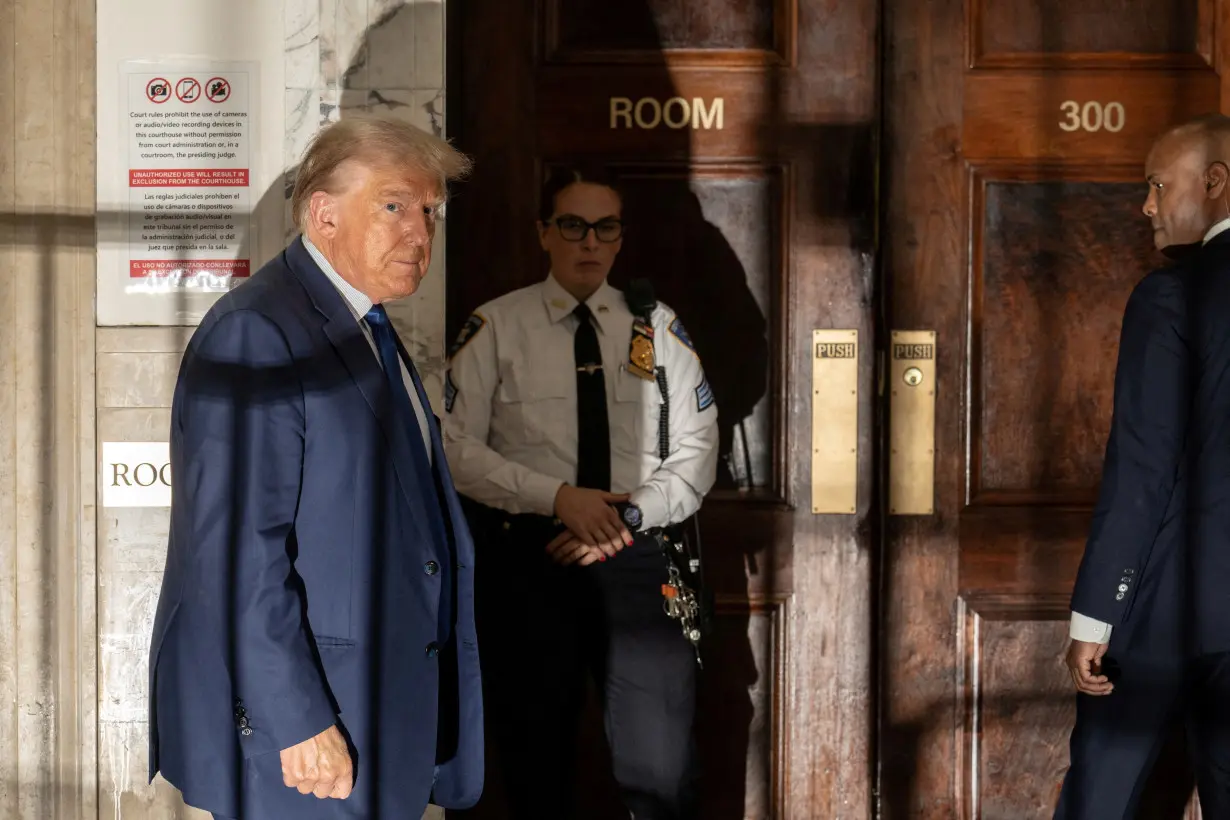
point(640, 355)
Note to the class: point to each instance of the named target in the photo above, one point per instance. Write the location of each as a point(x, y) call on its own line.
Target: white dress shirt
point(359, 305)
point(510, 426)
point(1091, 630)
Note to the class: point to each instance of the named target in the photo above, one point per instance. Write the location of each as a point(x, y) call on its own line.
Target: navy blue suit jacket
point(305, 569)
point(1157, 563)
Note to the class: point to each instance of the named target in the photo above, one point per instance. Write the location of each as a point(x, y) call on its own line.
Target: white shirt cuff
point(653, 507)
point(1089, 630)
point(538, 493)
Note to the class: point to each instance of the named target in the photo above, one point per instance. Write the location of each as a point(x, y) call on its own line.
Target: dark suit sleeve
point(1147, 437)
point(243, 433)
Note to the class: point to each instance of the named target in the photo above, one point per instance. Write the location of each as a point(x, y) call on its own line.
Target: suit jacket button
point(247, 731)
point(1123, 587)
point(243, 723)
point(433, 649)
point(431, 567)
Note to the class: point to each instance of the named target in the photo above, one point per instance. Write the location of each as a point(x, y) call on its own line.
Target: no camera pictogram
point(218, 90)
point(188, 90)
point(158, 90)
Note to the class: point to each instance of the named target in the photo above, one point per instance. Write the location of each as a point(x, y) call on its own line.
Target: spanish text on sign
point(189, 177)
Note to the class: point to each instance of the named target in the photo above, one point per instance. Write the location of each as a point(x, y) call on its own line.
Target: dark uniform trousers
point(1117, 737)
point(542, 629)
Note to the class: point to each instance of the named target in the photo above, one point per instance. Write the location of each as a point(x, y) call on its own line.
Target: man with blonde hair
point(314, 652)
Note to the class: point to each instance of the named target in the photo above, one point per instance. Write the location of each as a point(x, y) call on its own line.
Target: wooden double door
point(968, 169)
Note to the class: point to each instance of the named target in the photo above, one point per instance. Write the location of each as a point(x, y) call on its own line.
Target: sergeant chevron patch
point(450, 391)
point(704, 396)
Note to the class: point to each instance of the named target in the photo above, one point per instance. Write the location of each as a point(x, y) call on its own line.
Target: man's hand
point(590, 516)
point(567, 549)
point(1084, 661)
point(320, 765)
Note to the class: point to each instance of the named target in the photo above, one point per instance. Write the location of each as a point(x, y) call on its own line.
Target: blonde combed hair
point(372, 139)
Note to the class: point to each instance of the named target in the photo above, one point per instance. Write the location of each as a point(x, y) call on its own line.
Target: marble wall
point(48, 750)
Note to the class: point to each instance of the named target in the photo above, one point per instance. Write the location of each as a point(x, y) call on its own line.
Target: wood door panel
point(646, 112)
point(739, 730)
point(1054, 261)
point(598, 25)
point(711, 239)
point(1137, 27)
point(723, 224)
point(1026, 114)
point(1017, 711)
point(689, 33)
point(1021, 550)
point(1015, 234)
point(1018, 708)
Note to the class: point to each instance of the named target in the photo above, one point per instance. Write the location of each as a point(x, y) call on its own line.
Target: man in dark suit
point(1151, 607)
point(314, 653)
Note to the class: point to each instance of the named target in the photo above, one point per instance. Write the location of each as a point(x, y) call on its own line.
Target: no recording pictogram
point(158, 90)
point(218, 90)
point(188, 90)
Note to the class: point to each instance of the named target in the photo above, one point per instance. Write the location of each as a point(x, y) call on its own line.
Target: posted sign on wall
point(189, 171)
point(136, 474)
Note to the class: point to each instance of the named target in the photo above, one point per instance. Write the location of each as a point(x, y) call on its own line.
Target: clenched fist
point(1084, 661)
point(320, 765)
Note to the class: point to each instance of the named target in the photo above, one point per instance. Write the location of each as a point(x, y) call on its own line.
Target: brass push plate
point(834, 422)
point(911, 453)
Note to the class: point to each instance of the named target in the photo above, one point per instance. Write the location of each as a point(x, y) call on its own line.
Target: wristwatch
point(630, 514)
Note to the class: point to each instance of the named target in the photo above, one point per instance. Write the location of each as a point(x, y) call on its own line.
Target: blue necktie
point(386, 344)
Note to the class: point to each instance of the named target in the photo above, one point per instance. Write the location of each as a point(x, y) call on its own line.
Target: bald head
point(1188, 181)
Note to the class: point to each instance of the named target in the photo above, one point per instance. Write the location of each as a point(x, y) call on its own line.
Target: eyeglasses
point(575, 229)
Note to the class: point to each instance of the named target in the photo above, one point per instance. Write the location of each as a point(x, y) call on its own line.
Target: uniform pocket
point(536, 400)
point(634, 412)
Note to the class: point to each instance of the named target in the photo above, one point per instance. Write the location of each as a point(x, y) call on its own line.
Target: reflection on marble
point(423, 109)
point(302, 29)
point(343, 24)
point(402, 49)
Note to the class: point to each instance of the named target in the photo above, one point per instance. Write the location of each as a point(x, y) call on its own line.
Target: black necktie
point(593, 429)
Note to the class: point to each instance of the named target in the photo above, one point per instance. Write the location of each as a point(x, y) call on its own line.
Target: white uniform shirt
point(1091, 630)
point(359, 305)
point(510, 430)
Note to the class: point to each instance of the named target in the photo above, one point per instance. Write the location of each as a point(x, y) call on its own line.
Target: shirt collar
point(561, 303)
point(356, 300)
point(1216, 229)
